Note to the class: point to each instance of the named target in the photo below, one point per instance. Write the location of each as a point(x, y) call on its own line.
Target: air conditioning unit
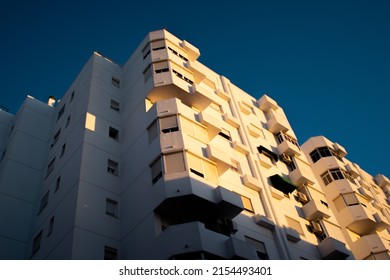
point(302, 198)
point(316, 227)
point(285, 158)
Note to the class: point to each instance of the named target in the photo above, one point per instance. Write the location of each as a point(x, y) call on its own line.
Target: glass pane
point(152, 131)
point(168, 122)
point(350, 199)
point(156, 168)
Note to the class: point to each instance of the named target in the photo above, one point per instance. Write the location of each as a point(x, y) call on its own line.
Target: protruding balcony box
point(233, 121)
point(352, 170)
point(333, 249)
point(303, 174)
point(288, 148)
point(254, 130)
point(192, 51)
point(340, 150)
point(314, 210)
point(222, 94)
point(213, 124)
point(187, 198)
point(170, 142)
point(238, 249)
point(197, 69)
point(382, 180)
point(368, 244)
point(266, 103)
point(366, 193)
point(240, 147)
point(292, 235)
point(220, 157)
point(251, 182)
point(264, 221)
point(336, 187)
point(276, 122)
point(167, 107)
point(357, 219)
point(159, 55)
point(381, 221)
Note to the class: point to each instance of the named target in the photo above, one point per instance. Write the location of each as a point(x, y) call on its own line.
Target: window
point(61, 112)
point(174, 163)
point(321, 152)
point(281, 136)
point(58, 182)
point(156, 169)
point(177, 54)
point(56, 137)
point(260, 247)
point(202, 168)
point(146, 51)
point(294, 224)
point(36, 243)
point(110, 253)
point(113, 133)
point(348, 199)
point(114, 105)
point(50, 167)
point(225, 134)
point(247, 204)
point(152, 131)
point(51, 226)
point(169, 124)
point(161, 67)
point(115, 82)
point(291, 166)
point(194, 130)
point(72, 96)
point(67, 122)
point(63, 150)
point(44, 202)
point(335, 174)
point(148, 73)
point(111, 208)
point(182, 77)
point(112, 167)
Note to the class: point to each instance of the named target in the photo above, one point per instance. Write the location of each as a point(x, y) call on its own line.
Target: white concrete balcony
point(366, 193)
point(382, 180)
point(333, 249)
point(352, 170)
point(314, 210)
point(192, 51)
point(335, 188)
point(276, 122)
point(357, 219)
point(225, 96)
point(303, 173)
point(288, 148)
point(194, 237)
point(381, 221)
point(198, 70)
point(233, 121)
point(251, 182)
point(220, 157)
point(266, 103)
point(368, 245)
point(264, 221)
point(213, 125)
point(255, 131)
point(240, 147)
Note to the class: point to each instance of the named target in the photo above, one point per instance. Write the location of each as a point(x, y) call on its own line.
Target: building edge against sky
point(162, 158)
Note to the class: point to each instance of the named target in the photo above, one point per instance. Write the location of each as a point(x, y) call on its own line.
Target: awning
point(271, 154)
point(282, 184)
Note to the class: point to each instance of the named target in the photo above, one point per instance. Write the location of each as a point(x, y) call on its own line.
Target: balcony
point(220, 157)
point(277, 122)
point(366, 193)
point(255, 131)
point(222, 94)
point(333, 249)
point(314, 210)
point(192, 51)
point(303, 173)
point(213, 124)
point(198, 70)
point(381, 221)
point(266, 103)
point(194, 237)
point(264, 221)
point(240, 147)
point(352, 170)
point(288, 145)
point(368, 245)
point(357, 219)
point(233, 121)
point(186, 198)
point(251, 182)
point(170, 142)
point(340, 150)
point(382, 180)
point(335, 188)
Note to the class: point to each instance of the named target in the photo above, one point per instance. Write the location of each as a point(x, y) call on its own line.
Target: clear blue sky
point(327, 63)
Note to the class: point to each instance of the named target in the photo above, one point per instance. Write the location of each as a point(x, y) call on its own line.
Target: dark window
point(67, 121)
point(37, 243)
point(110, 253)
point(56, 137)
point(72, 96)
point(63, 150)
point(156, 170)
point(197, 172)
point(225, 135)
point(115, 82)
point(115, 105)
point(111, 208)
point(112, 167)
point(113, 133)
point(50, 167)
point(58, 182)
point(51, 226)
point(260, 247)
point(44, 202)
point(61, 112)
point(169, 124)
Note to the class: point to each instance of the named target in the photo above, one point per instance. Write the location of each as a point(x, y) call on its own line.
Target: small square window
point(113, 133)
point(112, 167)
point(115, 82)
point(110, 253)
point(115, 105)
point(246, 201)
point(111, 208)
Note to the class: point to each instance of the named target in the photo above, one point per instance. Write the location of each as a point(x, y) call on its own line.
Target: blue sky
point(327, 63)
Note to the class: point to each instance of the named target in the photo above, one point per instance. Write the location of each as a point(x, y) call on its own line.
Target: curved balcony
point(333, 249)
point(303, 173)
point(368, 245)
point(357, 219)
point(314, 210)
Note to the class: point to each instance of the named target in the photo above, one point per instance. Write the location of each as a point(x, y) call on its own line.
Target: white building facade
point(162, 158)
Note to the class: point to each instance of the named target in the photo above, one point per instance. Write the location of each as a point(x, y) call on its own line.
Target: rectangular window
point(174, 163)
point(156, 170)
point(56, 137)
point(169, 124)
point(61, 112)
point(225, 134)
point(291, 166)
point(115, 105)
point(44, 202)
point(58, 183)
point(112, 167)
point(194, 130)
point(111, 208)
point(113, 133)
point(260, 247)
point(63, 150)
point(36, 243)
point(67, 122)
point(146, 51)
point(161, 67)
point(294, 224)
point(247, 204)
point(202, 168)
point(110, 253)
point(50, 167)
point(152, 131)
point(148, 73)
point(51, 226)
point(72, 96)
point(115, 82)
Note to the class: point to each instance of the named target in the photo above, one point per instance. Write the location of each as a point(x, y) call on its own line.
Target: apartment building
point(162, 158)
